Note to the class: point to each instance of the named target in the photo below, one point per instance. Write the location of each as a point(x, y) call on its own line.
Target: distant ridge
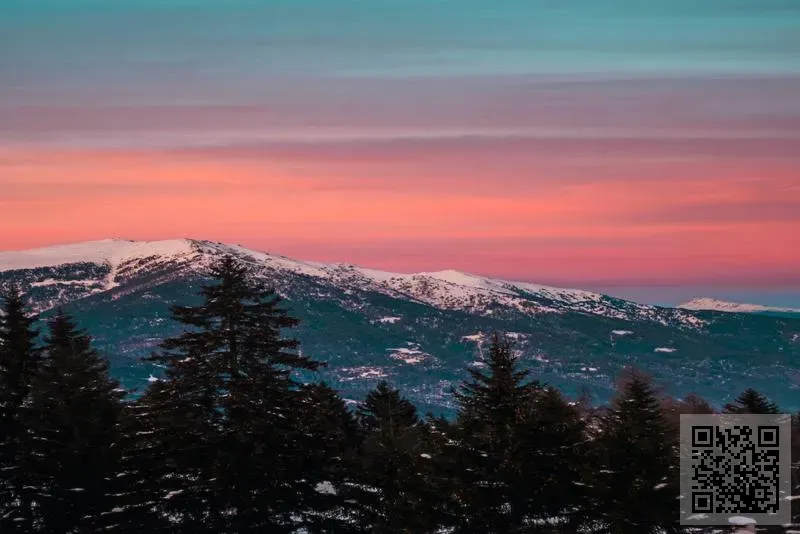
point(711, 304)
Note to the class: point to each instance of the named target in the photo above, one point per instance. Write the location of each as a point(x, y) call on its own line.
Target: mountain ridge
point(453, 286)
point(419, 330)
point(712, 304)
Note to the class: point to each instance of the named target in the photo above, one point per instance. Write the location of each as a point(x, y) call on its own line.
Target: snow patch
point(325, 487)
point(362, 373)
point(407, 355)
point(53, 282)
point(515, 335)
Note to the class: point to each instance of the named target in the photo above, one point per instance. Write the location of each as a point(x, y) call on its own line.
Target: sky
point(590, 143)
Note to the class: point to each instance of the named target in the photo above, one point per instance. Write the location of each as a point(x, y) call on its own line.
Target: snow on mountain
point(118, 261)
point(108, 251)
point(419, 330)
point(707, 303)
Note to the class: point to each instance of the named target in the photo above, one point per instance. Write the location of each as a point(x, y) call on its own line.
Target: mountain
point(421, 331)
point(707, 303)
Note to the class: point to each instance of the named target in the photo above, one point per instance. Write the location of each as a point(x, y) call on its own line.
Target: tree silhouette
point(19, 360)
point(71, 446)
point(751, 401)
point(229, 423)
point(637, 459)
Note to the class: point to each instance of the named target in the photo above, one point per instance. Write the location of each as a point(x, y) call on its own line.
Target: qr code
point(734, 465)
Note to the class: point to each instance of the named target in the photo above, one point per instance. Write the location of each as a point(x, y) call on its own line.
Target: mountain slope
point(419, 330)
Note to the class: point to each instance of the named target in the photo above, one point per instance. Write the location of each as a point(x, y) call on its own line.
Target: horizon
point(608, 145)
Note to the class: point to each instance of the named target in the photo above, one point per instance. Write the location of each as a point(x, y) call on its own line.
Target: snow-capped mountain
point(707, 303)
point(418, 330)
point(118, 261)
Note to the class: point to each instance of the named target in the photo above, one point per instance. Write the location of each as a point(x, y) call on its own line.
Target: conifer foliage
point(71, 456)
point(19, 360)
point(228, 412)
point(638, 458)
point(751, 401)
point(521, 446)
point(396, 465)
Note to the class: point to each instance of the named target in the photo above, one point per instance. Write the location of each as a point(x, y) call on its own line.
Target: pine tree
point(751, 401)
point(330, 440)
point(552, 450)
point(19, 360)
point(72, 448)
point(495, 491)
point(396, 464)
point(228, 423)
point(637, 454)
point(141, 481)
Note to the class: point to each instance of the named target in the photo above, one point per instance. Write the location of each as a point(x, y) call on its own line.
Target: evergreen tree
point(19, 359)
point(751, 401)
point(552, 450)
point(228, 413)
point(637, 454)
point(396, 466)
point(71, 448)
point(495, 492)
point(330, 440)
point(141, 480)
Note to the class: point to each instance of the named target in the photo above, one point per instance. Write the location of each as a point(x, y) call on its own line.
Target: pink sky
point(677, 221)
point(618, 142)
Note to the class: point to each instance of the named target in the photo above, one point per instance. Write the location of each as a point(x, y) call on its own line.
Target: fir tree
point(330, 440)
point(751, 401)
point(19, 360)
point(72, 448)
point(396, 463)
point(140, 480)
point(494, 489)
point(228, 424)
point(637, 455)
point(552, 451)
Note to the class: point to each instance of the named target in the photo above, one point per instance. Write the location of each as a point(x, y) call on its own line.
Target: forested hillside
point(233, 439)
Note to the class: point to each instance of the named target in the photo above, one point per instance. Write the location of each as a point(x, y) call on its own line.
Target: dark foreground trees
point(19, 360)
point(635, 489)
point(521, 450)
point(227, 422)
point(71, 447)
point(237, 437)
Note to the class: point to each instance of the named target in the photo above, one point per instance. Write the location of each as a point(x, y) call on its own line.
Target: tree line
point(230, 441)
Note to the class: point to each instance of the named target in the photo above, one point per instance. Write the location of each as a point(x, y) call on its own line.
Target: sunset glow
point(522, 140)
